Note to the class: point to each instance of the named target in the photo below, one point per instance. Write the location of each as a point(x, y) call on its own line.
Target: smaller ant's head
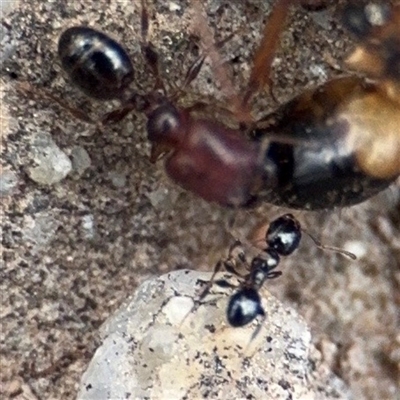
point(243, 307)
point(165, 124)
point(284, 235)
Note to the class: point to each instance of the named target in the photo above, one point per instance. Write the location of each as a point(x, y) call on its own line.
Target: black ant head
point(284, 235)
point(243, 307)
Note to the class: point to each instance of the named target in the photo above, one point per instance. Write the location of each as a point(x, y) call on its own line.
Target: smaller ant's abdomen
point(97, 64)
point(217, 164)
point(346, 146)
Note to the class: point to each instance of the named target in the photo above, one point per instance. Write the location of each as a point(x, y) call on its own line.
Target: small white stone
point(8, 181)
point(88, 226)
point(51, 164)
point(80, 160)
point(152, 348)
point(174, 6)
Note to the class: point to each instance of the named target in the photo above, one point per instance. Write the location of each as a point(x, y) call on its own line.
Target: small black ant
point(282, 239)
point(336, 145)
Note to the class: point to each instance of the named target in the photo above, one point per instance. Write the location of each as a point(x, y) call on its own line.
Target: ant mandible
point(336, 145)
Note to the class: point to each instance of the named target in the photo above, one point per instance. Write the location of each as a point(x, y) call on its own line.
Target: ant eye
point(163, 122)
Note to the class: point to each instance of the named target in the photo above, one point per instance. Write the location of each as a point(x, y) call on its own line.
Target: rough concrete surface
point(73, 251)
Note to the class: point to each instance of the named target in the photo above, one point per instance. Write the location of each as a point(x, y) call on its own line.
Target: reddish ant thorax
point(206, 158)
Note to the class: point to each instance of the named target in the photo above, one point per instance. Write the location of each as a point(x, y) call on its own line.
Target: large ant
point(282, 238)
point(336, 145)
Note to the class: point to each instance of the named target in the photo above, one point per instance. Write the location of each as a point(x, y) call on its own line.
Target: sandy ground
point(73, 251)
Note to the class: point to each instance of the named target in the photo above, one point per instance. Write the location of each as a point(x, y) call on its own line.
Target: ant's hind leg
point(264, 56)
point(148, 50)
point(32, 91)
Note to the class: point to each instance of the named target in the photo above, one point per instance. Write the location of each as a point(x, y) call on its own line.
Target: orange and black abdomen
point(340, 145)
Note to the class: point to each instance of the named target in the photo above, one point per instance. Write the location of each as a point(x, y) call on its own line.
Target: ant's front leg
point(235, 254)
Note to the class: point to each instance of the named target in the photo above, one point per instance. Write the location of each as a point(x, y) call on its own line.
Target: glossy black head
point(284, 235)
point(243, 307)
point(164, 125)
point(97, 64)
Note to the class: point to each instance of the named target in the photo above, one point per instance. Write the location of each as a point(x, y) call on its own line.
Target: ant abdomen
point(97, 64)
point(342, 151)
point(243, 307)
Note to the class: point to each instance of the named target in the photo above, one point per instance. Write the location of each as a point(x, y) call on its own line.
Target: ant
point(282, 239)
point(336, 145)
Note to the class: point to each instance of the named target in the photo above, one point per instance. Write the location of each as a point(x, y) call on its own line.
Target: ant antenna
point(322, 246)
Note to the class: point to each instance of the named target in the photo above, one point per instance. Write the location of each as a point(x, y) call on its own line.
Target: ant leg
point(256, 332)
point(195, 68)
point(117, 115)
point(264, 56)
point(135, 102)
point(222, 74)
point(235, 253)
point(148, 51)
point(32, 91)
point(193, 71)
point(228, 265)
point(205, 291)
point(330, 248)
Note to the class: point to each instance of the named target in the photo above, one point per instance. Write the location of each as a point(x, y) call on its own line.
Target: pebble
point(80, 160)
point(155, 347)
point(51, 164)
point(8, 181)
